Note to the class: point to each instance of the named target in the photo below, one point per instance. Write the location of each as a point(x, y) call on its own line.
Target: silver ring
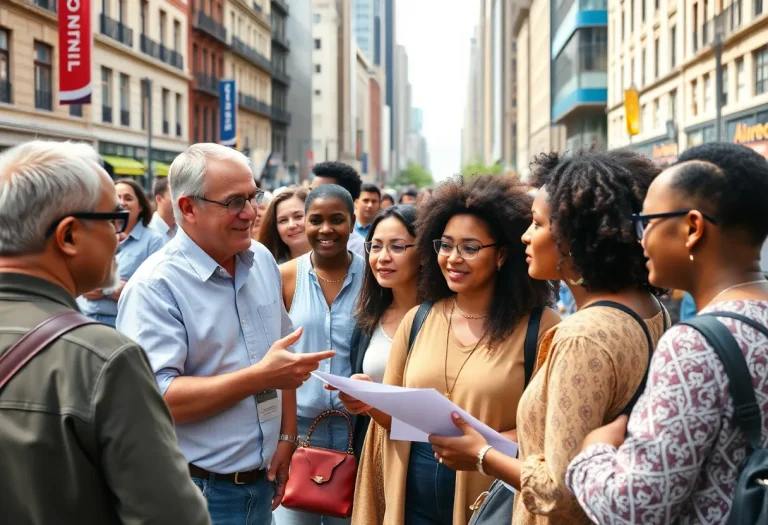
point(440, 461)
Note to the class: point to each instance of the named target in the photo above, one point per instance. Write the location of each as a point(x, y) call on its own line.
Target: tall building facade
point(401, 108)
point(129, 46)
point(579, 52)
point(326, 113)
point(388, 59)
point(664, 49)
point(364, 23)
point(298, 80)
point(281, 117)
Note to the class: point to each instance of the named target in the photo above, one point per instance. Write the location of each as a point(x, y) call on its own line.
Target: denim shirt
point(193, 319)
point(324, 329)
point(134, 250)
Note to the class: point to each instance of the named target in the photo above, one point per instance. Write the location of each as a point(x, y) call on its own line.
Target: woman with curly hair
point(470, 347)
point(592, 366)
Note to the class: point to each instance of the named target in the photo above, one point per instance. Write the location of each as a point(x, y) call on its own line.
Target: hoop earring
point(690, 256)
point(576, 283)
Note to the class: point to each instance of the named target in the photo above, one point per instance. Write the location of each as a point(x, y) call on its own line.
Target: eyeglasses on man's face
point(393, 249)
point(642, 220)
point(466, 250)
point(118, 218)
point(236, 205)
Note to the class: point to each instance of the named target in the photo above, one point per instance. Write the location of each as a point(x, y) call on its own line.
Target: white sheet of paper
point(404, 432)
point(425, 410)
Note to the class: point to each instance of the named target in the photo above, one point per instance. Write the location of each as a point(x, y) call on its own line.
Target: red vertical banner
point(75, 45)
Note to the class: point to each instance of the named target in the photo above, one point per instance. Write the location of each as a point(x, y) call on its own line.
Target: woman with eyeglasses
point(702, 226)
point(470, 347)
point(592, 364)
point(320, 290)
point(137, 242)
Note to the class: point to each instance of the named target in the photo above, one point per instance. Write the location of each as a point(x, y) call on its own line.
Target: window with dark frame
point(317, 43)
point(205, 125)
point(725, 85)
point(106, 95)
point(179, 109)
point(761, 71)
point(5, 66)
point(673, 47)
point(196, 125)
point(165, 102)
point(43, 76)
point(125, 100)
point(214, 124)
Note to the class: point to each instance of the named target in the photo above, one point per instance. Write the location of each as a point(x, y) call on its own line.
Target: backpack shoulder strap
point(532, 342)
point(641, 387)
point(418, 322)
point(37, 340)
point(746, 409)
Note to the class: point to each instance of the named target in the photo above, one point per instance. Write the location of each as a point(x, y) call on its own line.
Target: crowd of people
point(184, 394)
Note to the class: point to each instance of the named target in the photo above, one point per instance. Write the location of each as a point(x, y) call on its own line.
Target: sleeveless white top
point(377, 355)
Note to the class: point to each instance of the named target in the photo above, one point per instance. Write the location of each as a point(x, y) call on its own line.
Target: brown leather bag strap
point(37, 340)
point(322, 416)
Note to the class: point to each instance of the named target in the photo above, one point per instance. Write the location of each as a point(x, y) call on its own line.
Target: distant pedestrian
point(163, 221)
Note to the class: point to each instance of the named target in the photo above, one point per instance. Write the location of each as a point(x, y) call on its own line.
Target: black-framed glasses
point(236, 205)
point(118, 218)
point(393, 249)
point(641, 220)
point(466, 250)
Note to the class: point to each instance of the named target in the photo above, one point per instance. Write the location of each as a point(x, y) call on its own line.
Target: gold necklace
point(466, 315)
point(336, 281)
point(735, 286)
point(449, 391)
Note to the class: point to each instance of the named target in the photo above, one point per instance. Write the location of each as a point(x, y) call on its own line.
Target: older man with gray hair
point(208, 310)
point(84, 433)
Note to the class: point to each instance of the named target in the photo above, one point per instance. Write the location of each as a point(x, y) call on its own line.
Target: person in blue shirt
point(137, 243)
point(687, 307)
point(207, 310)
point(367, 206)
point(320, 291)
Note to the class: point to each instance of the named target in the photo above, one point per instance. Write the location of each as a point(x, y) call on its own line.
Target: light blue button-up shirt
point(193, 319)
point(134, 250)
point(356, 244)
point(159, 225)
point(324, 329)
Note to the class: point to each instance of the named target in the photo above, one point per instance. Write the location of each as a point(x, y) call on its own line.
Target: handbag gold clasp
point(318, 479)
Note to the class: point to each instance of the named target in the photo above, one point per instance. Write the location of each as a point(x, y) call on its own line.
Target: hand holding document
point(416, 413)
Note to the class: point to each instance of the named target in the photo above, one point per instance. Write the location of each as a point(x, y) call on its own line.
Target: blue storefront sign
point(228, 113)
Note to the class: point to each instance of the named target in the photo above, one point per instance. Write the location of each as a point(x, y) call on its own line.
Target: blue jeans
point(109, 320)
point(230, 504)
point(429, 488)
point(333, 433)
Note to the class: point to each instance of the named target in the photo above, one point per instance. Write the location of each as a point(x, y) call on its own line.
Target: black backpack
point(750, 499)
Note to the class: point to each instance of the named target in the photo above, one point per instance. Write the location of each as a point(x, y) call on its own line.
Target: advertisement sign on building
point(75, 43)
point(632, 111)
point(228, 113)
point(753, 135)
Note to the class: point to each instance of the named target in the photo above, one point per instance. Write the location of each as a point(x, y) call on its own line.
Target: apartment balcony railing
point(722, 25)
point(280, 40)
point(253, 104)
point(281, 115)
point(207, 84)
point(5, 91)
point(106, 114)
point(280, 4)
point(116, 30)
point(149, 47)
point(208, 25)
point(125, 117)
point(50, 5)
point(257, 8)
point(281, 77)
point(171, 57)
point(43, 100)
point(247, 52)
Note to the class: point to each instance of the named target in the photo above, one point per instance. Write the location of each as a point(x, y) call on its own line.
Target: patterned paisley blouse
point(680, 463)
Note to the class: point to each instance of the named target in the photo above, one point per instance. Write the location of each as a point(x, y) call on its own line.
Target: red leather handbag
point(322, 481)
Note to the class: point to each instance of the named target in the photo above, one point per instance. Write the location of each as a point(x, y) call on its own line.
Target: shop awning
point(160, 169)
point(124, 165)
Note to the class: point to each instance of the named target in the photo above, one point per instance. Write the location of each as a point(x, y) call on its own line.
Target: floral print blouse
point(681, 461)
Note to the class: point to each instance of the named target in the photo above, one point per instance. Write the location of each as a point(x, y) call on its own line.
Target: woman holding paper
point(470, 347)
point(593, 363)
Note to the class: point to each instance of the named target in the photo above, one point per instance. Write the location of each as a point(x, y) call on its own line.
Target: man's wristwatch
point(290, 439)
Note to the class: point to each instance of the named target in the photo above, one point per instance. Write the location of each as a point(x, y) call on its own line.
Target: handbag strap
point(328, 413)
point(745, 407)
point(532, 342)
point(37, 340)
point(641, 387)
point(418, 322)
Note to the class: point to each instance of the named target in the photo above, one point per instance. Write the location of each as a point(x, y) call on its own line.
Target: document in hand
point(422, 411)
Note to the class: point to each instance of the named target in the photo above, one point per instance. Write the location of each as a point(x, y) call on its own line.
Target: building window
point(106, 95)
point(43, 76)
point(5, 67)
point(642, 67)
point(316, 18)
point(673, 105)
point(656, 114)
point(76, 110)
point(645, 119)
point(163, 20)
point(196, 137)
point(741, 84)
point(707, 93)
point(176, 35)
point(194, 58)
point(143, 17)
point(642, 11)
point(694, 94)
point(214, 124)
point(205, 125)
point(165, 109)
point(673, 47)
point(631, 16)
point(178, 114)
point(125, 100)
point(761, 71)
point(318, 68)
point(724, 100)
point(656, 5)
point(317, 43)
point(317, 92)
point(656, 58)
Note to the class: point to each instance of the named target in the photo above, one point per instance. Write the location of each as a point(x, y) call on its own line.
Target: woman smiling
point(282, 229)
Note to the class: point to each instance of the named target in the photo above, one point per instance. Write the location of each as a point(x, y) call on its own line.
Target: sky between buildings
point(436, 34)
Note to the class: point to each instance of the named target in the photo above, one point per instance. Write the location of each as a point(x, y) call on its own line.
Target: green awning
point(124, 165)
point(160, 169)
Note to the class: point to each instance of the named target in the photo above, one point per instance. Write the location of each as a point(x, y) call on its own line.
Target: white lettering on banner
point(73, 39)
point(228, 107)
point(73, 5)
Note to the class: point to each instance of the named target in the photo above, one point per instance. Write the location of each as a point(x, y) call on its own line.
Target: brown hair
point(268, 234)
point(145, 215)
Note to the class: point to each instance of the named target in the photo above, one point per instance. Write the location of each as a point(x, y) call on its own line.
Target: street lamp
point(718, 45)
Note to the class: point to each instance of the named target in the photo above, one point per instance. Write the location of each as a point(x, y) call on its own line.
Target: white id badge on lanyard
point(268, 404)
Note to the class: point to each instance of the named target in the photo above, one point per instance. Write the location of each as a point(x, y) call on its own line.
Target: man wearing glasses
point(208, 310)
point(84, 433)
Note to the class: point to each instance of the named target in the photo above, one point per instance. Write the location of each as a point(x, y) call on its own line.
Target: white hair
point(186, 176)
point(41, 182)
